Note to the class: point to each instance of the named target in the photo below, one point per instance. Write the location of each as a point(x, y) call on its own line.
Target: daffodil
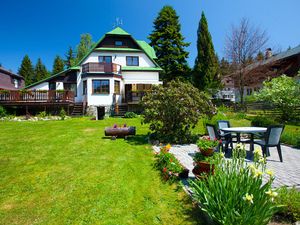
point(270, 173)
point(272, 194)
point(262, 160)
point(258, 151)
point(258, 173)
point(252, 168)
point(248, 198)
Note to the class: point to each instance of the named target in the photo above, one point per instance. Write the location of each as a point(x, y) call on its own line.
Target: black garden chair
point(271, 139)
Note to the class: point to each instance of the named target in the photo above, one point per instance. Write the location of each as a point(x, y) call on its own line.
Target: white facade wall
point(120, 58)
point(41, 86)
point(141, 77)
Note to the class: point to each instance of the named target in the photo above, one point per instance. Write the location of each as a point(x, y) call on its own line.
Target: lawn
point(66, 172)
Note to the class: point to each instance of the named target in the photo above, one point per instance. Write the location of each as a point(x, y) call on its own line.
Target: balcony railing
point(101, 68)
point(60, 96)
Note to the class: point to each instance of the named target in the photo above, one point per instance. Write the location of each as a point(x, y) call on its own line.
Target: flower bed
point(169, 166)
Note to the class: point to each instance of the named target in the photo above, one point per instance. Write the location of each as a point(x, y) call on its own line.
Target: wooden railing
point(135, 96)
point(101, 67)
point(36, 96)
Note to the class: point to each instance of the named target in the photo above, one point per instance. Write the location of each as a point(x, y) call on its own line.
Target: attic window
point(118, 43)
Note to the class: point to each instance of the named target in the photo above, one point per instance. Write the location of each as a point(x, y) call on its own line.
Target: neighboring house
point(116, 71)
point(272, 66)
point(10, 81)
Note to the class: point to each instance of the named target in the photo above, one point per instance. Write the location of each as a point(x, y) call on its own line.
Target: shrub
point(213, 120)
point(262, 121)
point(130, 115)
point(240, 116)
point(2, 112)
point(42, 114)
point(173, 110)
point(62, 114)
point(282, 92)
point(235, 194)
point(290, 198)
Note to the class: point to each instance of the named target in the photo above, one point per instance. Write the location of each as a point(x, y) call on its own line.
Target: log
point(119, 131)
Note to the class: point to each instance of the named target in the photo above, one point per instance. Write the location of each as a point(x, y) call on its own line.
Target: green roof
point(118, 31)
point(147, 48)
point(137, 68)
point(119, 49)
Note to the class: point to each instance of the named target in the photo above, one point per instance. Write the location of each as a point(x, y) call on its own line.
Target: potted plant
point(208, 146)
point(204, 165)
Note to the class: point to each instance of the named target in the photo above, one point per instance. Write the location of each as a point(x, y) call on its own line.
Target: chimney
point(268, 53)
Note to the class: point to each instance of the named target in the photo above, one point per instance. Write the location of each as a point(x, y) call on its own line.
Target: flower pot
point(204, 168)
point(184, 174)
point(207, 152)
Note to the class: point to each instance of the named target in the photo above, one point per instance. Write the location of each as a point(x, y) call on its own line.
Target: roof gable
point(118, 31)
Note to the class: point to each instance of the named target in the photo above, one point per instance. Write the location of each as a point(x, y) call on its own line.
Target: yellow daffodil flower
point(248, 198)
point(270, 173)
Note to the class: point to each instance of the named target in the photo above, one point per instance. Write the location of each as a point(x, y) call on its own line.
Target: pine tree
point(58, 65)
point(168, 42)
point(206, 63)
point(40, 71)
point(85, 44)
point(26, 70)
point(70, 59)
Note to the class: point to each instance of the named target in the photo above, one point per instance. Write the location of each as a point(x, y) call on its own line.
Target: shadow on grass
point(140, 139)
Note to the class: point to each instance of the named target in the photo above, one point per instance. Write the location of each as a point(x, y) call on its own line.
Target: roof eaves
point(48, 78)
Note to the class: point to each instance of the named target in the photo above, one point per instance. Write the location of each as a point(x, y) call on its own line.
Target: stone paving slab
point(287, 173)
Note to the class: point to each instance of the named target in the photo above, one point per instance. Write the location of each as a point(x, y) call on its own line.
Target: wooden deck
point(38, 97)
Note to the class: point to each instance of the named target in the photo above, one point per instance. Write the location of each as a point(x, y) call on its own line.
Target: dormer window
point(118, 43)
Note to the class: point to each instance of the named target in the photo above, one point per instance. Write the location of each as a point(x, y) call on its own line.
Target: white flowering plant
point(237, 194)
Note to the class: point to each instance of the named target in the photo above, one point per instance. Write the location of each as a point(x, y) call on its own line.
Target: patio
point(286, 172)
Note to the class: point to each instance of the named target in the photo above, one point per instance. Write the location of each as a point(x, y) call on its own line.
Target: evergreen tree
point(58, 65)
point(206, 63)
point(70, 59)
point(85, 44)
point(26, 70)
point(168, 42)
point(40, 71)
point(225, 67)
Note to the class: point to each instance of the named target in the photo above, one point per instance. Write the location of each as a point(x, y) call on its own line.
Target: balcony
point(38, 96)
point(94, 67)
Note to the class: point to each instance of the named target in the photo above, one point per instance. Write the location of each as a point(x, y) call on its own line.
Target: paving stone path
point(287, 173)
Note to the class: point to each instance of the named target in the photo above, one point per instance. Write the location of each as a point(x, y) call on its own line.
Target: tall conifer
point(40, 71)
point(169, 45)
point(205, 74)
point(58, 65)
point(26, 70)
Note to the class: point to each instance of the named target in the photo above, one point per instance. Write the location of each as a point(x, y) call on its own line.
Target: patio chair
point(213, 134)
point(271, 139)
point(226, 136)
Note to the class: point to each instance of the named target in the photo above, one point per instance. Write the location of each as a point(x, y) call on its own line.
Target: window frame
point(118, 41)
point(101, 91)
point(117, 92)
point(84, 87)
point(105, 56)
point(132, 57)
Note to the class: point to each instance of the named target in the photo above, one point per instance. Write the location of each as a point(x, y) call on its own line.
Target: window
point(132, 60)
point(105, 59)
point(52, 86)
point(118, 43)
point(117, 87)
point(16, 83)
point(71, 87)
point(100, 86)
point(84, 87)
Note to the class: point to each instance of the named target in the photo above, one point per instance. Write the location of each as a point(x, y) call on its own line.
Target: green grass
point(66, 172)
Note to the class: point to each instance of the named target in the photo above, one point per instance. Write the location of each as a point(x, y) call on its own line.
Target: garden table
point(245, 130)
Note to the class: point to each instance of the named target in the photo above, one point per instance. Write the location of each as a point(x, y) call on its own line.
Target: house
point(10, 81)
point(116, 72)
point(287, 62)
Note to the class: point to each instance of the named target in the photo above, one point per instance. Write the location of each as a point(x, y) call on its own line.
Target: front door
point(128, 89)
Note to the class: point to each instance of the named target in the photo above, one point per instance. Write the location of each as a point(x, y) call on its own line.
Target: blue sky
point(46, 28)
